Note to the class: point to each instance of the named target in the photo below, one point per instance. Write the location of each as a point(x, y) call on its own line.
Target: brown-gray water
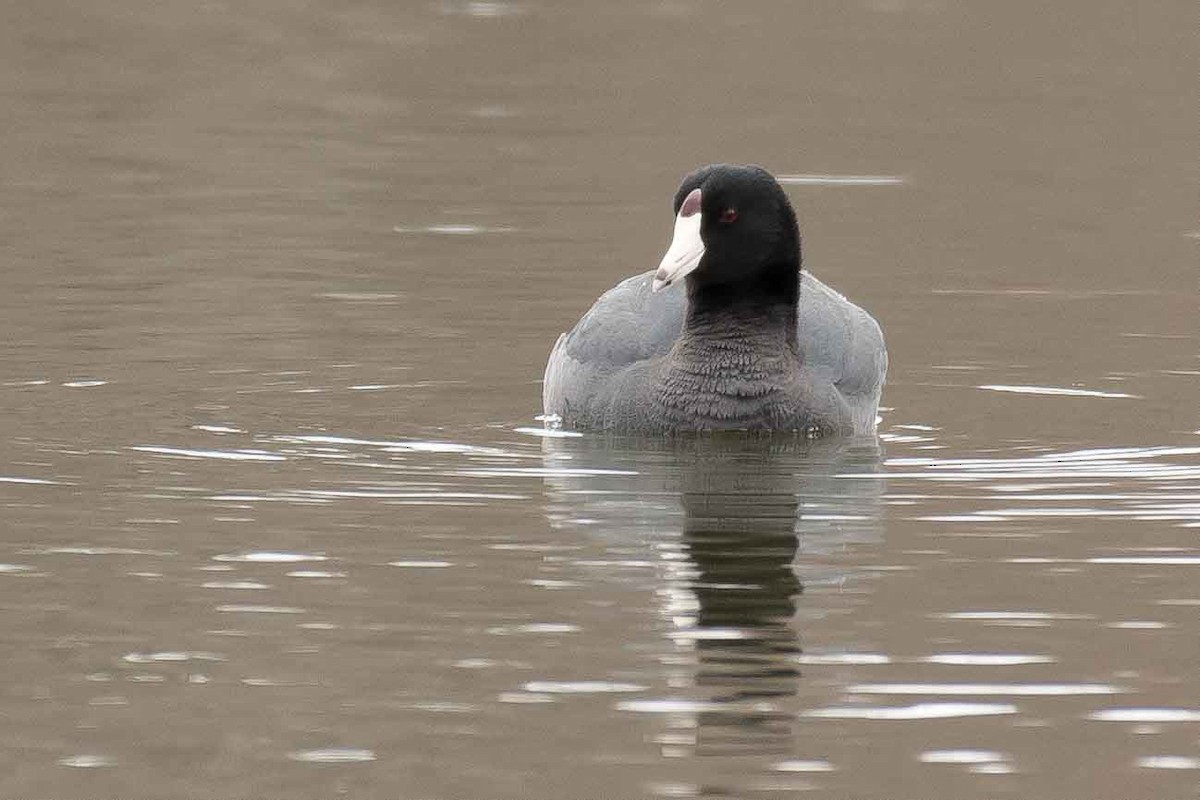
point(277, 284)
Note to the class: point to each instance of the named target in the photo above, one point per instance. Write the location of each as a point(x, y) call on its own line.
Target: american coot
point(753, 343)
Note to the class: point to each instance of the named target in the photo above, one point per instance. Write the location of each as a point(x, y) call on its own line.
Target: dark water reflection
point(730, 518)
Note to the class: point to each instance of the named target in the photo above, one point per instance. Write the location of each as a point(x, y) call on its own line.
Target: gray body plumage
point(628, 366)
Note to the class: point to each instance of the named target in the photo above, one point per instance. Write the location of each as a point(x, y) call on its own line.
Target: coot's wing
point(627, 325)
point(844, 343)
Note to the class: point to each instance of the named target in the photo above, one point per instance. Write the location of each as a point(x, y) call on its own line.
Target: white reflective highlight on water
point(914, 712)
point(998, 689)
point(455, 230)
point(385, 494)
point(668, 705)
point(843, 658)
point(1169, 762)
point(235, 585)
point(814, 765)
point(675, 789)
point(333, 755)
point(691, 634)
point(171, 657)
point(269, 557)
point(548, 583)
point(974, 517)
point(541, 472)
point(1146, 715)
point(272, 682)
point(1127, 560)
point(962, 756)
point(582, 687)
point(534, 628)
point(987, 659)
point(98, 551)
point(87, 761)
point(259, 609)
point(445, 707)
point(398, 445)
point(548, 433)
point(219, 429)
point(1012, 615)
point(992, 768)
point(222, 455)
point(1190, 561)
point(1107, 464)
point(1058, 391)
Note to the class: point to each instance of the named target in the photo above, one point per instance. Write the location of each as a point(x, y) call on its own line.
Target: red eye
point(728, 216)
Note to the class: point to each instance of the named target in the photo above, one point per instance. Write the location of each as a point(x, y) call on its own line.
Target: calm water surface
point(277, 283)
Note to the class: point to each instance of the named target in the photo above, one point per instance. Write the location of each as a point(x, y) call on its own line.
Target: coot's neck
point(757, 312)
point(737, 356)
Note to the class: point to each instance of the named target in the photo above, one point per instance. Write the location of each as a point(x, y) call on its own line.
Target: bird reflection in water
point(729, 586)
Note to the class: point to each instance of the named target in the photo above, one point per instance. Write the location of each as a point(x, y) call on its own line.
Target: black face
point(747, 225)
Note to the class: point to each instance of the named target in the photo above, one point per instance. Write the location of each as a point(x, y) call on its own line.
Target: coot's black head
point(734, 227)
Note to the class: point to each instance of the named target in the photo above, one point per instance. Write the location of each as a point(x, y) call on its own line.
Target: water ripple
point(1057, 391)
point(988, 689)
point(333, 755)
point(914, 712)
point(224, 455)
point(1146, 715)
